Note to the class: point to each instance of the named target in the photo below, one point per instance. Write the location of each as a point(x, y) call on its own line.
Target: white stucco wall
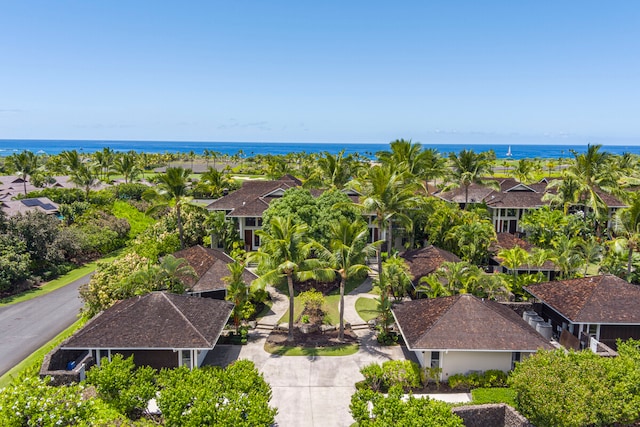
point(461, 362)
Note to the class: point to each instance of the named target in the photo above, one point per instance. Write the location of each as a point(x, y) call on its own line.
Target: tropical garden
point(350, 219)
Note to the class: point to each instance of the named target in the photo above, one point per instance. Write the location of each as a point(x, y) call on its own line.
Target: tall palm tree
point(386, 194)
point(469, 168)
point(104, 160)
point(126, 164)
point(626, 225)
point(82, 176)
point(513, 259)
point(25, 164)
point(237, 291)
point(333, 171)
point(567, 193)
point(174, 184)
point(346, 254)
point(472, 240)
point(285, 253)
point(524, 171)
point(593, 171)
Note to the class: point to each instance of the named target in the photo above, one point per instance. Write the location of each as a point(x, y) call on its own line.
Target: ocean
point(248, 149)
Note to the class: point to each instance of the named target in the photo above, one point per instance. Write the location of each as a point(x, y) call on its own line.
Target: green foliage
point(480, 396)
point(490, 378)
point(33, 402)
point(137, 220)
point(123, 386)
point(130, 191)
point(312, 300)
point(396, 277)
point(236, 396)
point(60, 195)
point(106, 285)
point(554, 388)
point(545, 226)
point(403, 373)
point(393, 410)
point(15, 261)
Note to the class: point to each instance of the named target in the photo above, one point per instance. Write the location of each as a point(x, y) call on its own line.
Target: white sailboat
point(509, 152)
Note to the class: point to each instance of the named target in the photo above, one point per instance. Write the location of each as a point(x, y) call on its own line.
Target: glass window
point(186, 358)
point(435, 359)
point(515, 358)
point(250, 222)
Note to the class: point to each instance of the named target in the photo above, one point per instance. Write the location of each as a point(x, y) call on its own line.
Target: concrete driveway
point(309, 391)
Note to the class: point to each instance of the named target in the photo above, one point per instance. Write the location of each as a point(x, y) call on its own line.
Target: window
point(515, 358)
point(435, 359)
point(256, 240)
point(592, 330)
point(250, 222)
point(511, 212)
point(186, 358)
point(260, 222)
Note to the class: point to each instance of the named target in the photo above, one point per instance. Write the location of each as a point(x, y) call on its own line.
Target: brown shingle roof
point(464, 322)
point(597, 299)
point(425, 261)
point(40, 204)
point(509, 241)
point(210, 266)
point(157, 320)
point(251, 199)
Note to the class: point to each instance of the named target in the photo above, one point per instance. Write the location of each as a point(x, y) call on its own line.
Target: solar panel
point(48, 207)
point(31, 202)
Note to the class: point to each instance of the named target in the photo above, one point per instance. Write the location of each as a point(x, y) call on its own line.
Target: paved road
point(27, 326)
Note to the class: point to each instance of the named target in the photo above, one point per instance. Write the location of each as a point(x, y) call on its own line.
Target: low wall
point(491, 415)
point(55, 363)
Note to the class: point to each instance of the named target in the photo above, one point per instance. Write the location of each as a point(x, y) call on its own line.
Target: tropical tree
point(212, 183)
point(513, 259)
point(82, 176)
point(524, 171)
point(126, 164)
point(25, 165)
point(333, 171)
point(472, 240)
point(285, 253)
point(567, 193)
point(346, 254)
point(238, 292)
point(396, 277)
point(626, 225)
point(567, 255)
point(174, 184)
point(387, 194)
point(104, 160)
point(593, 171)
point(469, 168)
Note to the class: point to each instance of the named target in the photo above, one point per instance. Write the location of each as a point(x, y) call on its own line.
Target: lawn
point(366, 308)
point(493, 395)
point(330, 307)
point(342, 350)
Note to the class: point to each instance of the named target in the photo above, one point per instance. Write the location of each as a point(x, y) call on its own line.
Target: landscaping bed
point(312, 340)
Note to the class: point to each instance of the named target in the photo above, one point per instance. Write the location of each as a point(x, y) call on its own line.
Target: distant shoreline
point(250, 149)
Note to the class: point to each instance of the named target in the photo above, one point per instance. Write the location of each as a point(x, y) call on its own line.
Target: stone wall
point(491, 415)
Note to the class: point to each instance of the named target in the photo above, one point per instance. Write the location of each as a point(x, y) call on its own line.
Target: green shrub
point(490, 378)
point(312, 300)
point(131, 191)
point(404, 373)
point(373, 376)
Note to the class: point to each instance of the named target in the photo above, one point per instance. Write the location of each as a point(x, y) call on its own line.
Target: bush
point(132, 191)
point(373, 376)
point(490, 378)
point(403, 373)
point(312, 300)
point(123, 386)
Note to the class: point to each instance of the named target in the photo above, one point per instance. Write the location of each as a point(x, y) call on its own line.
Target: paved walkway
point(311, 391)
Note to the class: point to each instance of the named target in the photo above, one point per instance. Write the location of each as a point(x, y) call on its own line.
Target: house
point(159, 329)
point(39, 204)
point(510, 241)
point(463, 333)
point(512, 200)
point(210, 266)
point(427, 260)
point(247, 204)
point(602, 308)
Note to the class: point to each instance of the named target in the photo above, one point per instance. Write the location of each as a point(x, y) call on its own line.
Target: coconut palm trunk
point(290, 337)
point(342, 284)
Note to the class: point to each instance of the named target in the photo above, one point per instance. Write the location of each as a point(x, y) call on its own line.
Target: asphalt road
point(27, 326)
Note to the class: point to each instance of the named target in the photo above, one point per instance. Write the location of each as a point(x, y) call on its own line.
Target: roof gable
point(464, 322)
point(597, 299)
point(156, 320)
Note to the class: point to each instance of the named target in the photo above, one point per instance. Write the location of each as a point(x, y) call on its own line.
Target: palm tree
point(83, 176)
point(472, 240)
point(285, 253)
point(432, 287)
point(513, 259)
point(346, 254)
point(126, 164)
point(591, 251)
point(386, 194)
point(524, 171)
point(593, 171)
point(237, 291)
point(212, 182)
point(333, 171)
point(469, 168)
point(567, 255)
point(567, 193)
point(626, 225)
point(174, 184)
point(25, 164)
point(104, 159)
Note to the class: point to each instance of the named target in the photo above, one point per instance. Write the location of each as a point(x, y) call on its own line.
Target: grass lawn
point(331, 306)
point(343, 350)
point(366, 308)
point(35, 359)
point(493, 395)
point(55, 284)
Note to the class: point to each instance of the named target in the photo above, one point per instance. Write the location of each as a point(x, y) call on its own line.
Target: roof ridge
point(455, 299)
point(493, 308)
point(590, 296)
point(164, 294)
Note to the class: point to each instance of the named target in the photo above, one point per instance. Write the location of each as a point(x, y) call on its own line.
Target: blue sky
point(335, 71)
